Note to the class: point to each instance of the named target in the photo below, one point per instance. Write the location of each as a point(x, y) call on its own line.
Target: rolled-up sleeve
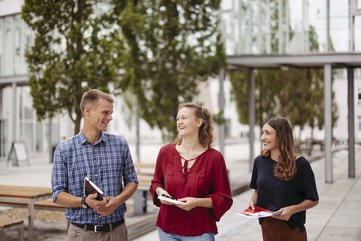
point(129, 174)
point(221, 197)
point(59, 179)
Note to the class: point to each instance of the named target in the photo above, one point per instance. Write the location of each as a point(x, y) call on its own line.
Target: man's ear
point(87, 110)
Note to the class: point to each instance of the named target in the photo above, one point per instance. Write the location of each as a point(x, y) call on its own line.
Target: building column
point(328, 123)
point(2, 122)
point(1, 103)
point(221, 104)
point(137, 129)
point(281, 39)
point(328, 26)
point(351, 122)
point(13, 123)
point(251, 116)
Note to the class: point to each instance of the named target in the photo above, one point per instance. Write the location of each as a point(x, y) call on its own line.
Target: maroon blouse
point(206, 178)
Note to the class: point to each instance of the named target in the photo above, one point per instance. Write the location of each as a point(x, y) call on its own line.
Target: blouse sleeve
point(158, 177)
point(221, 198)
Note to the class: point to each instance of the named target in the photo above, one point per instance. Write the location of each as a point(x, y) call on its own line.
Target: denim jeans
point(163, 236)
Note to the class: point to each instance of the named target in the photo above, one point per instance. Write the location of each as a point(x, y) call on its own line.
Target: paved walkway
point(337, 217)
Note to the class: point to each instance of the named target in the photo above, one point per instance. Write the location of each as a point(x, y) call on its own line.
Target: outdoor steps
point(140, 225)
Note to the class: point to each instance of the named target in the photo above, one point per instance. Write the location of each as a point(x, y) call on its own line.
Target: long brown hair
point(285, 168)
point(205, 131)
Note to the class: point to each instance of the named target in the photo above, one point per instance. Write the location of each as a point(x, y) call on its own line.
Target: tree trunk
point(77, 123)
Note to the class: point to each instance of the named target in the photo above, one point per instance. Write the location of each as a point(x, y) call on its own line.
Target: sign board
point(18, 153)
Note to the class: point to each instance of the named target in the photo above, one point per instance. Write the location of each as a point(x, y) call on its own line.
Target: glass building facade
point(17, 116)
point(291, 27)
point(272, 27)
point(248, 27)
point(15, 37)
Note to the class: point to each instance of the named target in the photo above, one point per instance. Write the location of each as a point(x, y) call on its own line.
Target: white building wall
point(340, 88)
point(8, 7)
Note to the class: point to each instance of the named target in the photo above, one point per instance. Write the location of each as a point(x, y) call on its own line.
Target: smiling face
point(187, 122)
point(269, 138)
point(99, 115)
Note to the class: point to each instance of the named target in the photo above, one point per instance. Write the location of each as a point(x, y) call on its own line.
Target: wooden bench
point(48, 205)
point(140, 199)
point(145, 172)
point(140, 196)
point(144, 169)
point(11, 224)
point(40, 205)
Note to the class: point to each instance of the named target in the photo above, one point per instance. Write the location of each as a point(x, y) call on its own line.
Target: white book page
point(175, 201)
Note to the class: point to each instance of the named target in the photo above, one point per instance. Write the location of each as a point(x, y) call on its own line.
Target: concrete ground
point(337, 217)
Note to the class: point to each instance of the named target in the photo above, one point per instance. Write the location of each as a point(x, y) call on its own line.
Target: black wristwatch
point(83, 203)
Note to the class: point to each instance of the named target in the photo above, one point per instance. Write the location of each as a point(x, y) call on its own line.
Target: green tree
point(77, 46)
point(174, 45)
point(294, 93)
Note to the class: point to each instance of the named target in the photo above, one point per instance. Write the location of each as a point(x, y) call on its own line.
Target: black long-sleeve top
point(274, 193)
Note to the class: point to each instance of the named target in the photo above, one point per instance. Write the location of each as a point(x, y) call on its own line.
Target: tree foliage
point(294, 93)
point(76, 47)
point(163, 49)
point(173, 45)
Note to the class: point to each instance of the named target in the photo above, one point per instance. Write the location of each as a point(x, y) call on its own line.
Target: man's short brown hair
point(92, 96)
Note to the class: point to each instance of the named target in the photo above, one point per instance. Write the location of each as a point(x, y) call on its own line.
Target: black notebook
point(91, 188)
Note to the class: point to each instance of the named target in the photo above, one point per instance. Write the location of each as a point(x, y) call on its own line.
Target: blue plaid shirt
point(108, 163)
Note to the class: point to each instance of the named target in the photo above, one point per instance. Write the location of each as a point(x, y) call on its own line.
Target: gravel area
point(40, 215)
point(49, 225)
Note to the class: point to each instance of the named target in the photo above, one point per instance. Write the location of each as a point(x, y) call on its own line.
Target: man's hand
point(111, 205)
point(92, 202)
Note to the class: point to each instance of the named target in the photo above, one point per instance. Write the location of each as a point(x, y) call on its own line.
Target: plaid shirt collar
point(83, 140)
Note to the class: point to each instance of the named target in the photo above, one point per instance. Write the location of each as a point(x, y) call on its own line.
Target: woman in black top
point(282, 183)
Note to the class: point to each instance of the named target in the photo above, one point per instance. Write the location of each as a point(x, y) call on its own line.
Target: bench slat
point(144, 165)
point(44, 204)
point(5, 223)
point(146, 169)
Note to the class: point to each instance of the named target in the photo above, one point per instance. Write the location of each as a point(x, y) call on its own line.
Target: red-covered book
point(258, 212)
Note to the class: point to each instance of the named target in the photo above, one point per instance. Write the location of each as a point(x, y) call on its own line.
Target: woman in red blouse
point(195, 174)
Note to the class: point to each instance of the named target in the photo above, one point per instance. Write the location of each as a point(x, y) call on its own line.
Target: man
point(106, 160)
